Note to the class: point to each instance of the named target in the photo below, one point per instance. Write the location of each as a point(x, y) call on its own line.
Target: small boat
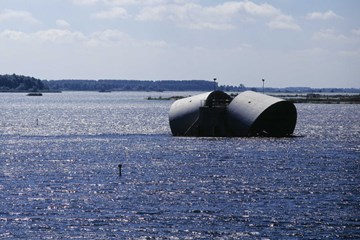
point(35, 94)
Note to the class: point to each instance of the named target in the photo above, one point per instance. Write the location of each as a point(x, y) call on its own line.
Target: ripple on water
point(60, 179)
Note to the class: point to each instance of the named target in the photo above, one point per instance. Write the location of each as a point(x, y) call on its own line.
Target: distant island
point(19, 83)
point(129, 85)
point(108, 85)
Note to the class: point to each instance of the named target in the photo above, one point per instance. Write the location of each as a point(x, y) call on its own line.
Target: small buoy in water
point(119, 169)
point(37, 122)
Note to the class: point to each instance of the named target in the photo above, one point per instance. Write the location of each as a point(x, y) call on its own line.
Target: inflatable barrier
point(219, 115)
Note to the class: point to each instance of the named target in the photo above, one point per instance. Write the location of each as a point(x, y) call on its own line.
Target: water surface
point(59, 176)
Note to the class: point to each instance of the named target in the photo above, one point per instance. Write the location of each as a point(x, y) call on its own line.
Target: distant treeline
point(175, 85)
point(20, 83)
point(298, 90)
point(130, 85)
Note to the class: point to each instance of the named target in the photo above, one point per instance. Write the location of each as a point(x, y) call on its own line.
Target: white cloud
point(220, 17)
point(356, 31)
point(347, 53)
point(322, 15)
point(108, 37)
point(119, 2)
point(59, 36)
point(116, 12)
point(62, 23)
point(116, 38)
point(122, 2)
point(284, 22)
point(153, 13)
point(213, 26)
point(193, 15)
point(9, 15)
point(312, 52)
point(260, 10)
point(85, 2)
point(329, 34)
point(13, 35)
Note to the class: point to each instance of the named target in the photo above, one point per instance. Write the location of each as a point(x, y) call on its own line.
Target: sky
point(289, 43)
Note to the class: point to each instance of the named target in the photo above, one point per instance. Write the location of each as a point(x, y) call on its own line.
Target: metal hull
point(253, 114)
point(187, 116)
point(217, 114)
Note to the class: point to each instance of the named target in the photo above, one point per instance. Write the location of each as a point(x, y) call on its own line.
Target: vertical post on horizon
point(263, 80)
point(214, 84)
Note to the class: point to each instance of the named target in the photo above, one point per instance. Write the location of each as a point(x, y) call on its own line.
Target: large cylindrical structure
point(184, 115)
point(254, 114)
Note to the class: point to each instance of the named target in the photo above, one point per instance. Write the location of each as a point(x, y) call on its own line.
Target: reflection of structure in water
point(217, 114)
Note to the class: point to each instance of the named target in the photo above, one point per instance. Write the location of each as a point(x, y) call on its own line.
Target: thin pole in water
point(119, 166)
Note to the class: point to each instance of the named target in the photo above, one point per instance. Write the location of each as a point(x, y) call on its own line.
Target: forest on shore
point(20, 83)
point(130, 85)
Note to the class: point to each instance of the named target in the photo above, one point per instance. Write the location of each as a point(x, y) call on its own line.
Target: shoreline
point(295, 98)
point(24, 91)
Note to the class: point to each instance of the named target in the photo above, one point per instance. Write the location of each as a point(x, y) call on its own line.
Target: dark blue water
point(59, 177)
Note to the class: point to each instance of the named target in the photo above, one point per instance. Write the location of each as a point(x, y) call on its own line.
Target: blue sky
point(289, 43)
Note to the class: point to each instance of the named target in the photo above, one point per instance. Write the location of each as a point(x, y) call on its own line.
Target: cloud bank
point(235, 41)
